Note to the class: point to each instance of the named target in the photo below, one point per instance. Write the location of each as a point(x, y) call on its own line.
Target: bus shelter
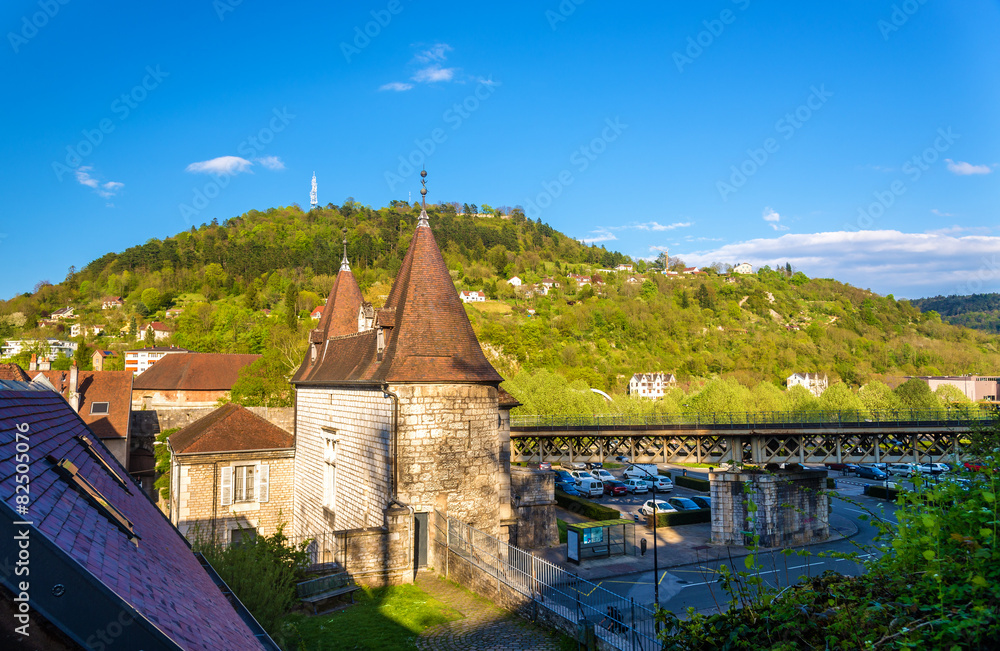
point(587, 540)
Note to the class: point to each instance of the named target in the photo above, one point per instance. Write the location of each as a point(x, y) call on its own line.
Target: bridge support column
point(791, 508)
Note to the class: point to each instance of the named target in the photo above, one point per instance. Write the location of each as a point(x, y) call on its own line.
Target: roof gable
point(151, 575)
point(194, 372)
point(112, 387)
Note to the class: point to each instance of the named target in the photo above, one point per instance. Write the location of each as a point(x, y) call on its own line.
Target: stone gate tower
point(396, 407)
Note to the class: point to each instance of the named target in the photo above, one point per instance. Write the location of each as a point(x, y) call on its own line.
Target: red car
point(975, 466)
point(615, 488)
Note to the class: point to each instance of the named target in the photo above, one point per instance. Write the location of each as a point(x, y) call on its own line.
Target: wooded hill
point(978, 311)
point(753, 329)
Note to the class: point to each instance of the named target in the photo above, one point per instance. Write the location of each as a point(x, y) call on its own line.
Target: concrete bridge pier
point(791, 507)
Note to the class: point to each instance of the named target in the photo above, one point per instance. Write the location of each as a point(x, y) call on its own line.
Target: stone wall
point(196, 502)
point(449, 451)
point(792, 508)
point(161, 398)
point(532, 493)
point(359, 420)
point(383, 555)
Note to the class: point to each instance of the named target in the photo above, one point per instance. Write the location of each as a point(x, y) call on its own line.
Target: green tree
point(879, 399)
point(839, 397)
point(264, 383)
point(916, 394)
point(161, 455)
point(291, 315)
point(704, 298)
point(152, 298)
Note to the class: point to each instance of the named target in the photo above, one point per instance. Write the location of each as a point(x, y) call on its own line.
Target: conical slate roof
point(426, 334)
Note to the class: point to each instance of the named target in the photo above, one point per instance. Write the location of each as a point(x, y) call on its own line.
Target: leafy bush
point(586, 508)
point(678, 518)
point(693, 483)
point(161, 453)
point(261, 572)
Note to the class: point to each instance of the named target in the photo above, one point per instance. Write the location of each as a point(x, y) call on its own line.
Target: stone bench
point(316, 591)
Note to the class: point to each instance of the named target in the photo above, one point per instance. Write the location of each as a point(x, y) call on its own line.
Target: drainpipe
point(393, 449)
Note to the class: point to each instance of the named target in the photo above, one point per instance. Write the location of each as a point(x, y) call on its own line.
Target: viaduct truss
point(775, 438)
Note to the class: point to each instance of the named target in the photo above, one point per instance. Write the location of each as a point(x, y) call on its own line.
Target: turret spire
point(344, 265)
point(423, 201)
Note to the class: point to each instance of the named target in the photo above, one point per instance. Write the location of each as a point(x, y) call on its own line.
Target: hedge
point(678, 518)
point(881, 492)
point(693, 482)
point(831, 482)
point(586, 508)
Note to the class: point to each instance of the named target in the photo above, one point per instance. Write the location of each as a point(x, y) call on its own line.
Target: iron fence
point(617, 620)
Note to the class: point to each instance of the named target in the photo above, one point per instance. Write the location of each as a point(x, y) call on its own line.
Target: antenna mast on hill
point(313, 200)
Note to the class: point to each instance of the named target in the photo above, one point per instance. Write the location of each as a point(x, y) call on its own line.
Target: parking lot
point(629, 504)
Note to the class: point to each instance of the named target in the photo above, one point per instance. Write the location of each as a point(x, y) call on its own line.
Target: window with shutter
point(227, 486)
point(263, 488)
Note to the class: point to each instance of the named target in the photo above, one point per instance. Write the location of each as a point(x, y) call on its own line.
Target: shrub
point(881, 492)
point(586, 508)
point(678, 518)
point(693, 483)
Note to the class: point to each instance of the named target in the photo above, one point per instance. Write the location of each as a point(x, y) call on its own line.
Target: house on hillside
point(515, 281)
point(56, 347)
point(103, 399)
point(159, 329)
point(64, 313)
point(625, 267)
point(651, 385)
point(815, 383)
point(80, 330)
point(98, 359)
point(107, 569)
point(317, 313)
point(173, 313)
point(188, 380)
point(743, 268)
point(112, 302)
point(473, 297)
point(140, 359)
point(231, 476)
point(549, 283)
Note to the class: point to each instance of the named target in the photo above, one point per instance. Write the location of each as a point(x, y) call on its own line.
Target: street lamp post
point(656, 559)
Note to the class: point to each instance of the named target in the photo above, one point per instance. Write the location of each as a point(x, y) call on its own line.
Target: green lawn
point(383, 618)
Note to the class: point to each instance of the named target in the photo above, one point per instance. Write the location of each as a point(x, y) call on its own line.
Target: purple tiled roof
point(158, 575)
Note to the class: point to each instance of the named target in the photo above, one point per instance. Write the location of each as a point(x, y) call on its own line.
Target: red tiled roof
point(105, 572)
point(112, 387)
point(13, 372)
point(505, 400)
point(344, 303)
point(431, 339)
point(230, 428)
point(194, 372)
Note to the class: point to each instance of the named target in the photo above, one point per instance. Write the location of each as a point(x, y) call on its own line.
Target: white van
point(641, 471)
point(590, 487)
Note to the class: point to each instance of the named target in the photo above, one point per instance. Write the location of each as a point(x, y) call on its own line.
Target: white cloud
point(655, 226)
point(906, 264)
point(941, 214)
point(659, 249)
point(600, 235)
point(773, 219)
point(222, 165)
point(436, 52)
point(270, 162)
point(434, 73)
point(965, 169)
point(106, 189)
point(397, 86)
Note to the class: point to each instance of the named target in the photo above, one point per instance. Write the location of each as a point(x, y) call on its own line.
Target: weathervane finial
point(344, 266)
point(423, 221)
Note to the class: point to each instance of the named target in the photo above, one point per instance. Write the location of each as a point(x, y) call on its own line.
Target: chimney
point(74, 397)
point(44, 364)
point(33, 365)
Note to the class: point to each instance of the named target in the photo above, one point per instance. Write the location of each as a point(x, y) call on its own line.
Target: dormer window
point(380, 342)
point(99, 408)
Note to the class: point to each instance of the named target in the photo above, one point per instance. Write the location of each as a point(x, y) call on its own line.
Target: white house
point(743, 268)
point(815, 383)
point(56, 347)
point(77, 329)
point(139, 360)
point(651, 385)
point(64, 313)
point(516, 282)
point(624, 267)
point(473, 297)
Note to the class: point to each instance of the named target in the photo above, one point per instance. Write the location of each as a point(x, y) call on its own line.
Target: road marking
point(795, 567)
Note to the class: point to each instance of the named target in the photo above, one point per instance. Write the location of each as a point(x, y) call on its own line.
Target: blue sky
point(856, 140)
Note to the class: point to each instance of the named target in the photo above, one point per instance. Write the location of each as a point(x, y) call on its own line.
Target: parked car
point(975, 465)
point(580, 475)
point(564, 475)
point(661, 507)
point(636, 486)
point(683, 504)
point(870, 472)
point(845, 468)
point(545, 465)
point(602, 474)
point(574, 465)
point(615, 488)
point(932, 468)
point(901, 469)
point(590, 487)
point(594, 465)
point(662, 484)
point(567, 487)
point(702, 502)
point(641, 471)
point(623, 459)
